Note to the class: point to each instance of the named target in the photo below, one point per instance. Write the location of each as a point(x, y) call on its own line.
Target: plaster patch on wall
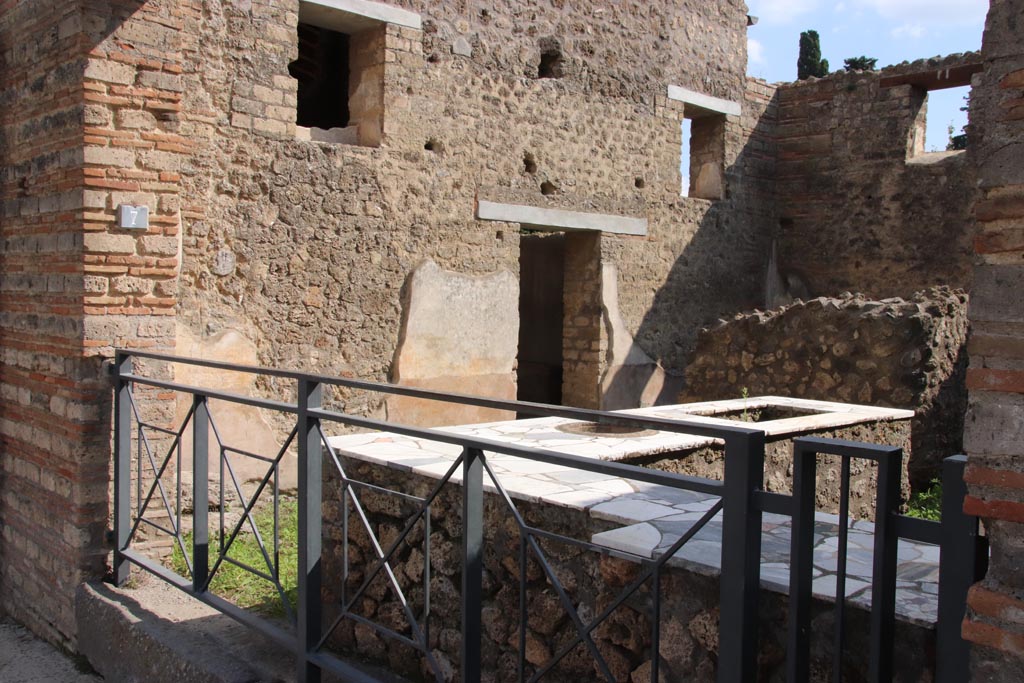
point(631, 377)
point(459, 333)
point(239, 426)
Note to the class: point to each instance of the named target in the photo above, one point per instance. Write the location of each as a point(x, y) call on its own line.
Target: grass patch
point(927, 504)
point(241, 586)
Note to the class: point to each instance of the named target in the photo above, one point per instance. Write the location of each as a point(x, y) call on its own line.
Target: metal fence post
point(122, 465)
point(798, 650)
point(883, 577)
point(472, 562)
point(310, 396)
point(741, 558)
point(957, 571)
point(200, 493)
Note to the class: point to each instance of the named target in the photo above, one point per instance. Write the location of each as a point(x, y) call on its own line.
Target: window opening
point(322, 71)
point(702, 156)
point(340, 74)
point(941, 120)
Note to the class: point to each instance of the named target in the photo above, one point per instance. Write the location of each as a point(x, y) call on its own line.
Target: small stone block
point(462, 47)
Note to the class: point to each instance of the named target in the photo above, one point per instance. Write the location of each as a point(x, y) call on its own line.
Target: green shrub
point(927, 504)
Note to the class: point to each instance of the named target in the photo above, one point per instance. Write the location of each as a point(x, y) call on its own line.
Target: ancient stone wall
point(897, 353)
point(860, 207)
point(304, 247)
point(995, 421)
point(709, 258)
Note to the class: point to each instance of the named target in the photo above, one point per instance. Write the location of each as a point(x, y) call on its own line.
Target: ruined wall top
point(929, 72)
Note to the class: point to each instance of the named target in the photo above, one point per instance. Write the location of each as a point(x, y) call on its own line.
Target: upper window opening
point(340, 68)
point(938, 98)
point(322, 71)
point(702, 151)
point(702, 157)
point(941, 121)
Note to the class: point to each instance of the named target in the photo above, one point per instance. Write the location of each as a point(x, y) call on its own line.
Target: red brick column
point(90, 124)
point(994, 435)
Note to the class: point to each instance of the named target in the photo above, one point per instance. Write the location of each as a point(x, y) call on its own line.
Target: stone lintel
point(560, 219)
point(351, 16)
point(935, 79)
point(704, 105)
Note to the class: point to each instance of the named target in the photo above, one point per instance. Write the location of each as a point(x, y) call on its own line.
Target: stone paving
point(654, 516)
point(24, 658)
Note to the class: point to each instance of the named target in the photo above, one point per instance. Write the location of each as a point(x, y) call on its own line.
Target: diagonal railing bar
point(175, 448)
point(384, 558)
point(390, 633)
point(350, 483)
point(144, 439)
point(158, 527)
point(651, 567)
point(563, 597)
point(251, 569)
point(247, 511)
point(356, 483)
point(273, 471)
point(260, 543)
point(157, 474)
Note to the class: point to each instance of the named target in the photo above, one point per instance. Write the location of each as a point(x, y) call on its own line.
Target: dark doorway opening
point(541, 273)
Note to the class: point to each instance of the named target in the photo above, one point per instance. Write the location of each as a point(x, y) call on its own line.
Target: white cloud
point(909, 31)
point(755, 51)
point(840, 7)
point(931, 12)
point(781, 11)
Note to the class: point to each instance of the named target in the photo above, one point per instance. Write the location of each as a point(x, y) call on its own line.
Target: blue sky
point(891, 30)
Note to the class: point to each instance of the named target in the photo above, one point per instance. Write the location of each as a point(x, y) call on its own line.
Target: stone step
point(151, 631)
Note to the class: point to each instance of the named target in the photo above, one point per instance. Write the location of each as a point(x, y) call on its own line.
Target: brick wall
point(995, 421)
point(49, 393)
point(584, 337)
point(858, 211)
point(89, 101)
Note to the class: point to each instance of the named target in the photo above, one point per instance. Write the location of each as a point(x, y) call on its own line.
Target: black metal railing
point(963, 558)
point(741, 504)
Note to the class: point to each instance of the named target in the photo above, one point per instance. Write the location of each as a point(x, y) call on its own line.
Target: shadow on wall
point(719, 271)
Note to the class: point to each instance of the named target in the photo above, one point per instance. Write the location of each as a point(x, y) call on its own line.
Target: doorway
point(541, 277)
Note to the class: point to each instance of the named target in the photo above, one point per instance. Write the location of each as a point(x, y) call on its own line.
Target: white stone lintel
point(706, 103)
point(540, 218)
point(349, 16)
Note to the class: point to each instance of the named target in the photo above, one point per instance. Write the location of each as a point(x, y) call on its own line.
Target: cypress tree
point(810, 62)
